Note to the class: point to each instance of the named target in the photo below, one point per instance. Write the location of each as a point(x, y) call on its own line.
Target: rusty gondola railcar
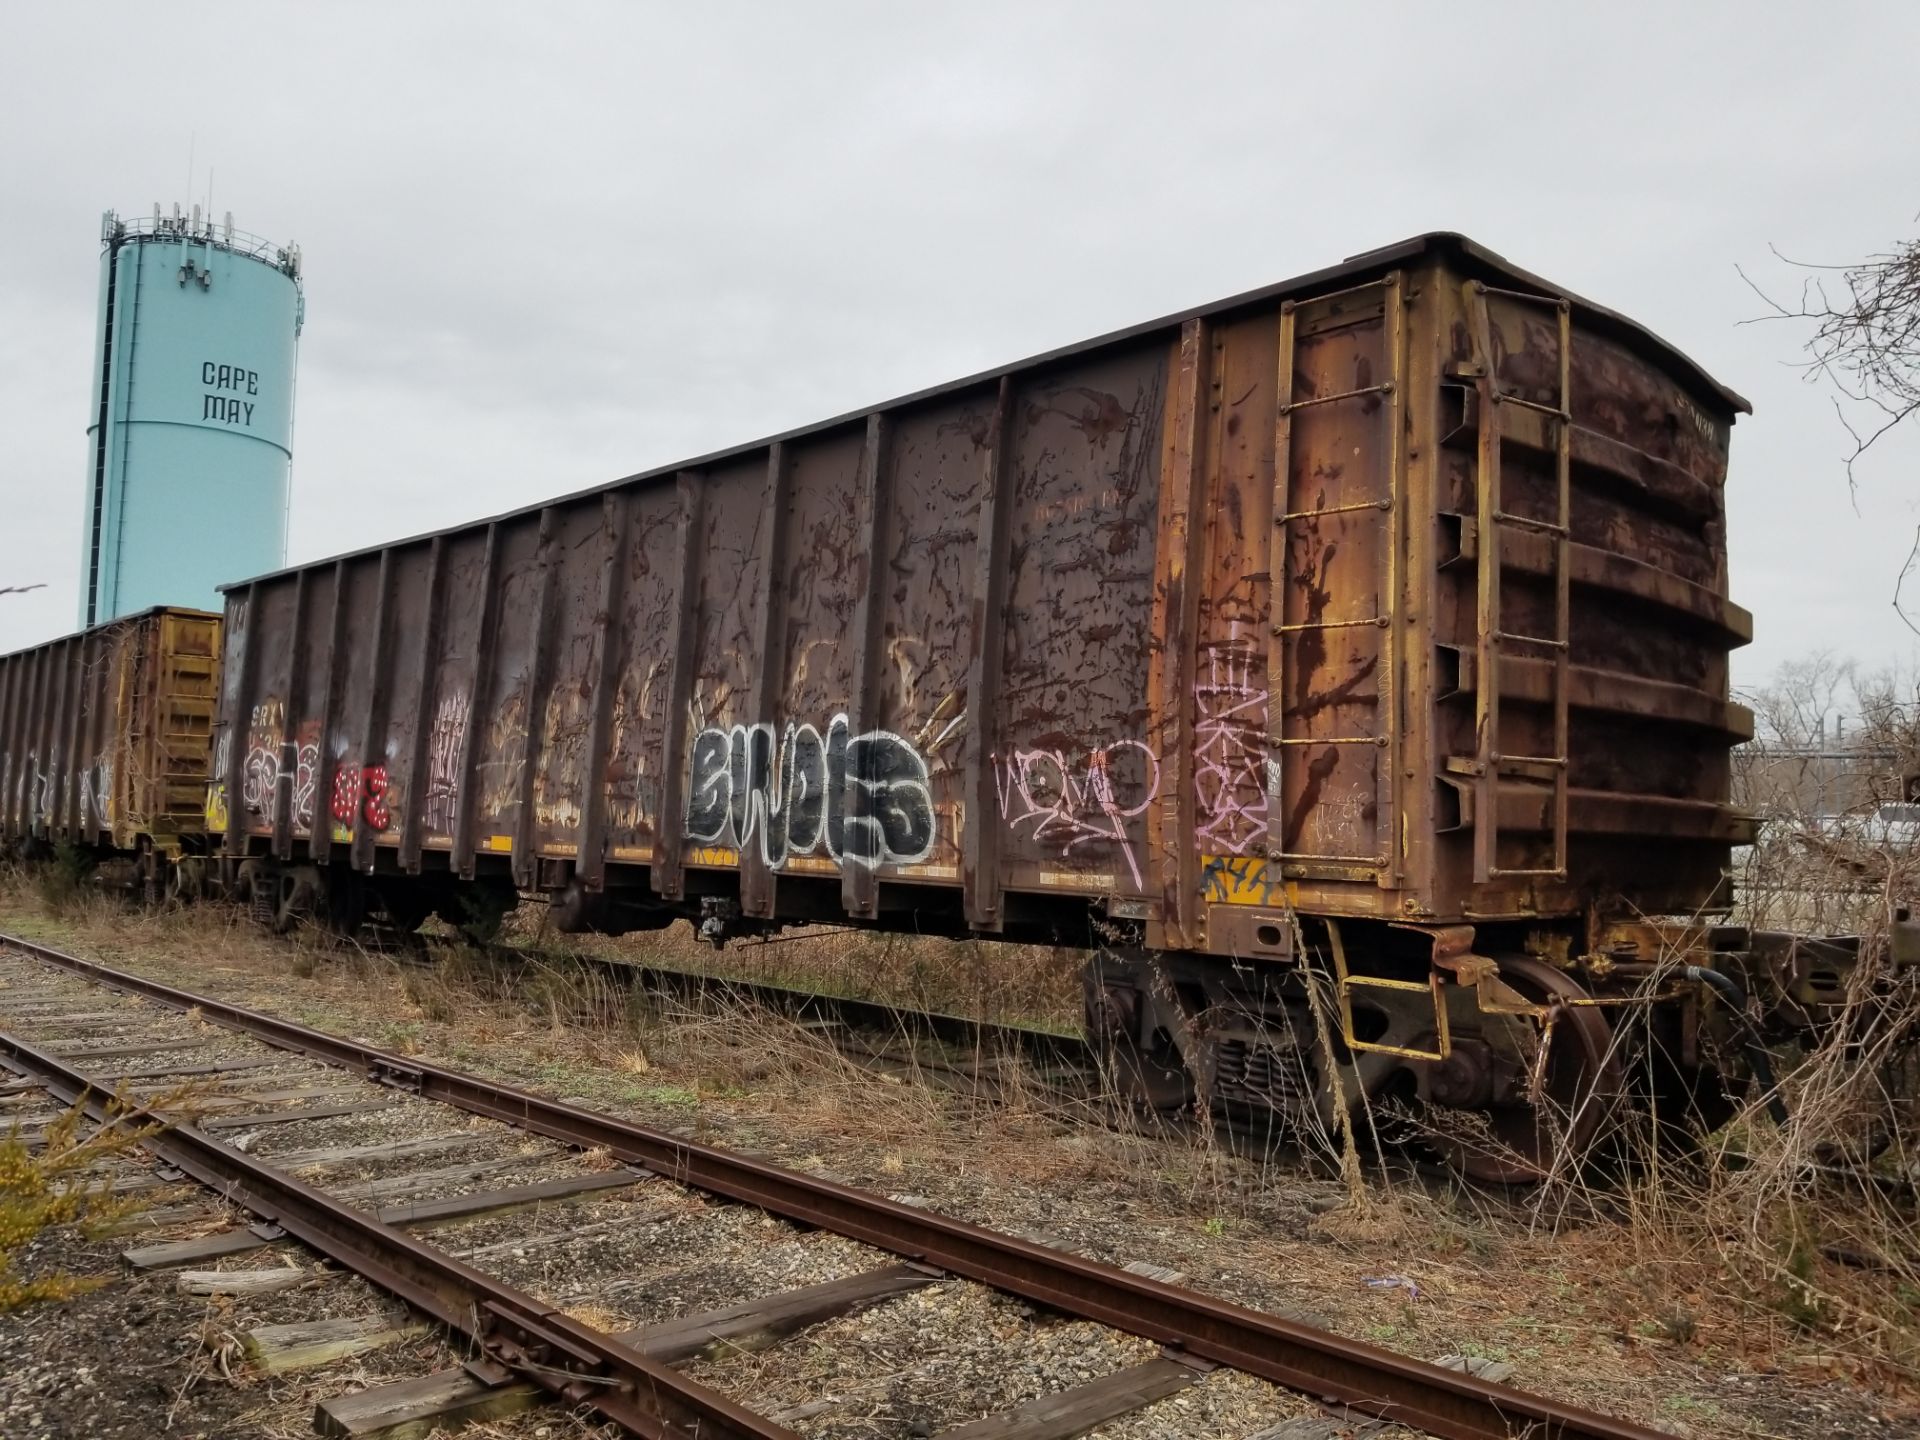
point(105, 738)
point(1381, 615)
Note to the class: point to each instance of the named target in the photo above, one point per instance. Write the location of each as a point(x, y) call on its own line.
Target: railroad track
point(275, 1087)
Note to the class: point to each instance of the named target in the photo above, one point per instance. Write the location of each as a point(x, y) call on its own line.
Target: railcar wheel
point(1153, 1075)
point(1526, 1136)
point(297, 896)
point(186, 880)
point(1154, 1079)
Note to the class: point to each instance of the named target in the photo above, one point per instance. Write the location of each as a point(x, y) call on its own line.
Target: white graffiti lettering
point(1073, 805)
point(445, 742)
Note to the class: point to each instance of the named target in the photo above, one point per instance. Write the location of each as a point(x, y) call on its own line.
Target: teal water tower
point(191, 431)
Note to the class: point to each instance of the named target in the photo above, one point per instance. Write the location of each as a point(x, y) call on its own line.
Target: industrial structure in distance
point(191, 425)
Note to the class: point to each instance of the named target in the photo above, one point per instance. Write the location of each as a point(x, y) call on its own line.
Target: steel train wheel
point(1152, 1076)
point(1580, 1085)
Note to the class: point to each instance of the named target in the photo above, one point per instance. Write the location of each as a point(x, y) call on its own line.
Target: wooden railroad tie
point(277, 1349)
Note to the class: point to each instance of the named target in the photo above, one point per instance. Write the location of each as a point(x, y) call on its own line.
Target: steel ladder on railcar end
point(1392, 391)
point(1381, 864)
point(1490, 765)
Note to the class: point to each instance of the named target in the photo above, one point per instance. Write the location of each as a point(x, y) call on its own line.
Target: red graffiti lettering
point(346, 794)
point(362, 790)
point(374, 807)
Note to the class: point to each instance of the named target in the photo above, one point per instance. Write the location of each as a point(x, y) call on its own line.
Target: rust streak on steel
point(980, 845)
point(293, 682)
point(669, 822)
point(56, 723)
point(608, 652)
point(76, 759)
point(530, 1338)
point(319, 833)
point(1175, 625)
point(758, 883)
point(234, 779)
point(860, 884)
point(539, 681)
point(1408, 1392)
point(84, 749)
point(465, 808)
point(413, 812)
point(373, 719)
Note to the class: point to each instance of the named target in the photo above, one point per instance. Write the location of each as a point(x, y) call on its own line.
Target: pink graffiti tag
point(1229, 753)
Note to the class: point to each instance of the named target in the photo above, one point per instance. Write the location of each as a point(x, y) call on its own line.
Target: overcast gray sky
point(548, 246)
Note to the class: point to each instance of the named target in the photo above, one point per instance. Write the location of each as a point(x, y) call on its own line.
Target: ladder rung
point(1335, 740)
point(1385, 388)
point(1549, 760)
point(1559, 874)
point(1552, 302)
point(1508, 636)
point(1380, 620)
point(1527, 522)
point(1502, 397)
point(1382, 982)
point(1306, 857)
point(1335, 510)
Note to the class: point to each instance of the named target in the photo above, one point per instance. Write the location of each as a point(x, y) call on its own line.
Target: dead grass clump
point(1768, 1224)
point(65, 880)
point(1403, 1219)
point(1814, 1224)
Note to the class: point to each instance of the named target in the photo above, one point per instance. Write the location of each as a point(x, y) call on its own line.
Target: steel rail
point(526, 1337)
point(1328, 1367)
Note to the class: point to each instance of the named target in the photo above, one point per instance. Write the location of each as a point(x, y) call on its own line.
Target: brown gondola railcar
point(1380, 616)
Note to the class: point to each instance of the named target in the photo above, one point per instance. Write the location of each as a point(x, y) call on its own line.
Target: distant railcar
point(1376, 620)
point(105, 738)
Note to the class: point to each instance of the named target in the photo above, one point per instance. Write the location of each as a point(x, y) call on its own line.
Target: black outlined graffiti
point(865, 798)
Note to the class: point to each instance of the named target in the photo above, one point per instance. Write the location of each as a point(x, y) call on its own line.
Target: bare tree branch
point(1865, 343)
point(21, 589)
point(1906, 573)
